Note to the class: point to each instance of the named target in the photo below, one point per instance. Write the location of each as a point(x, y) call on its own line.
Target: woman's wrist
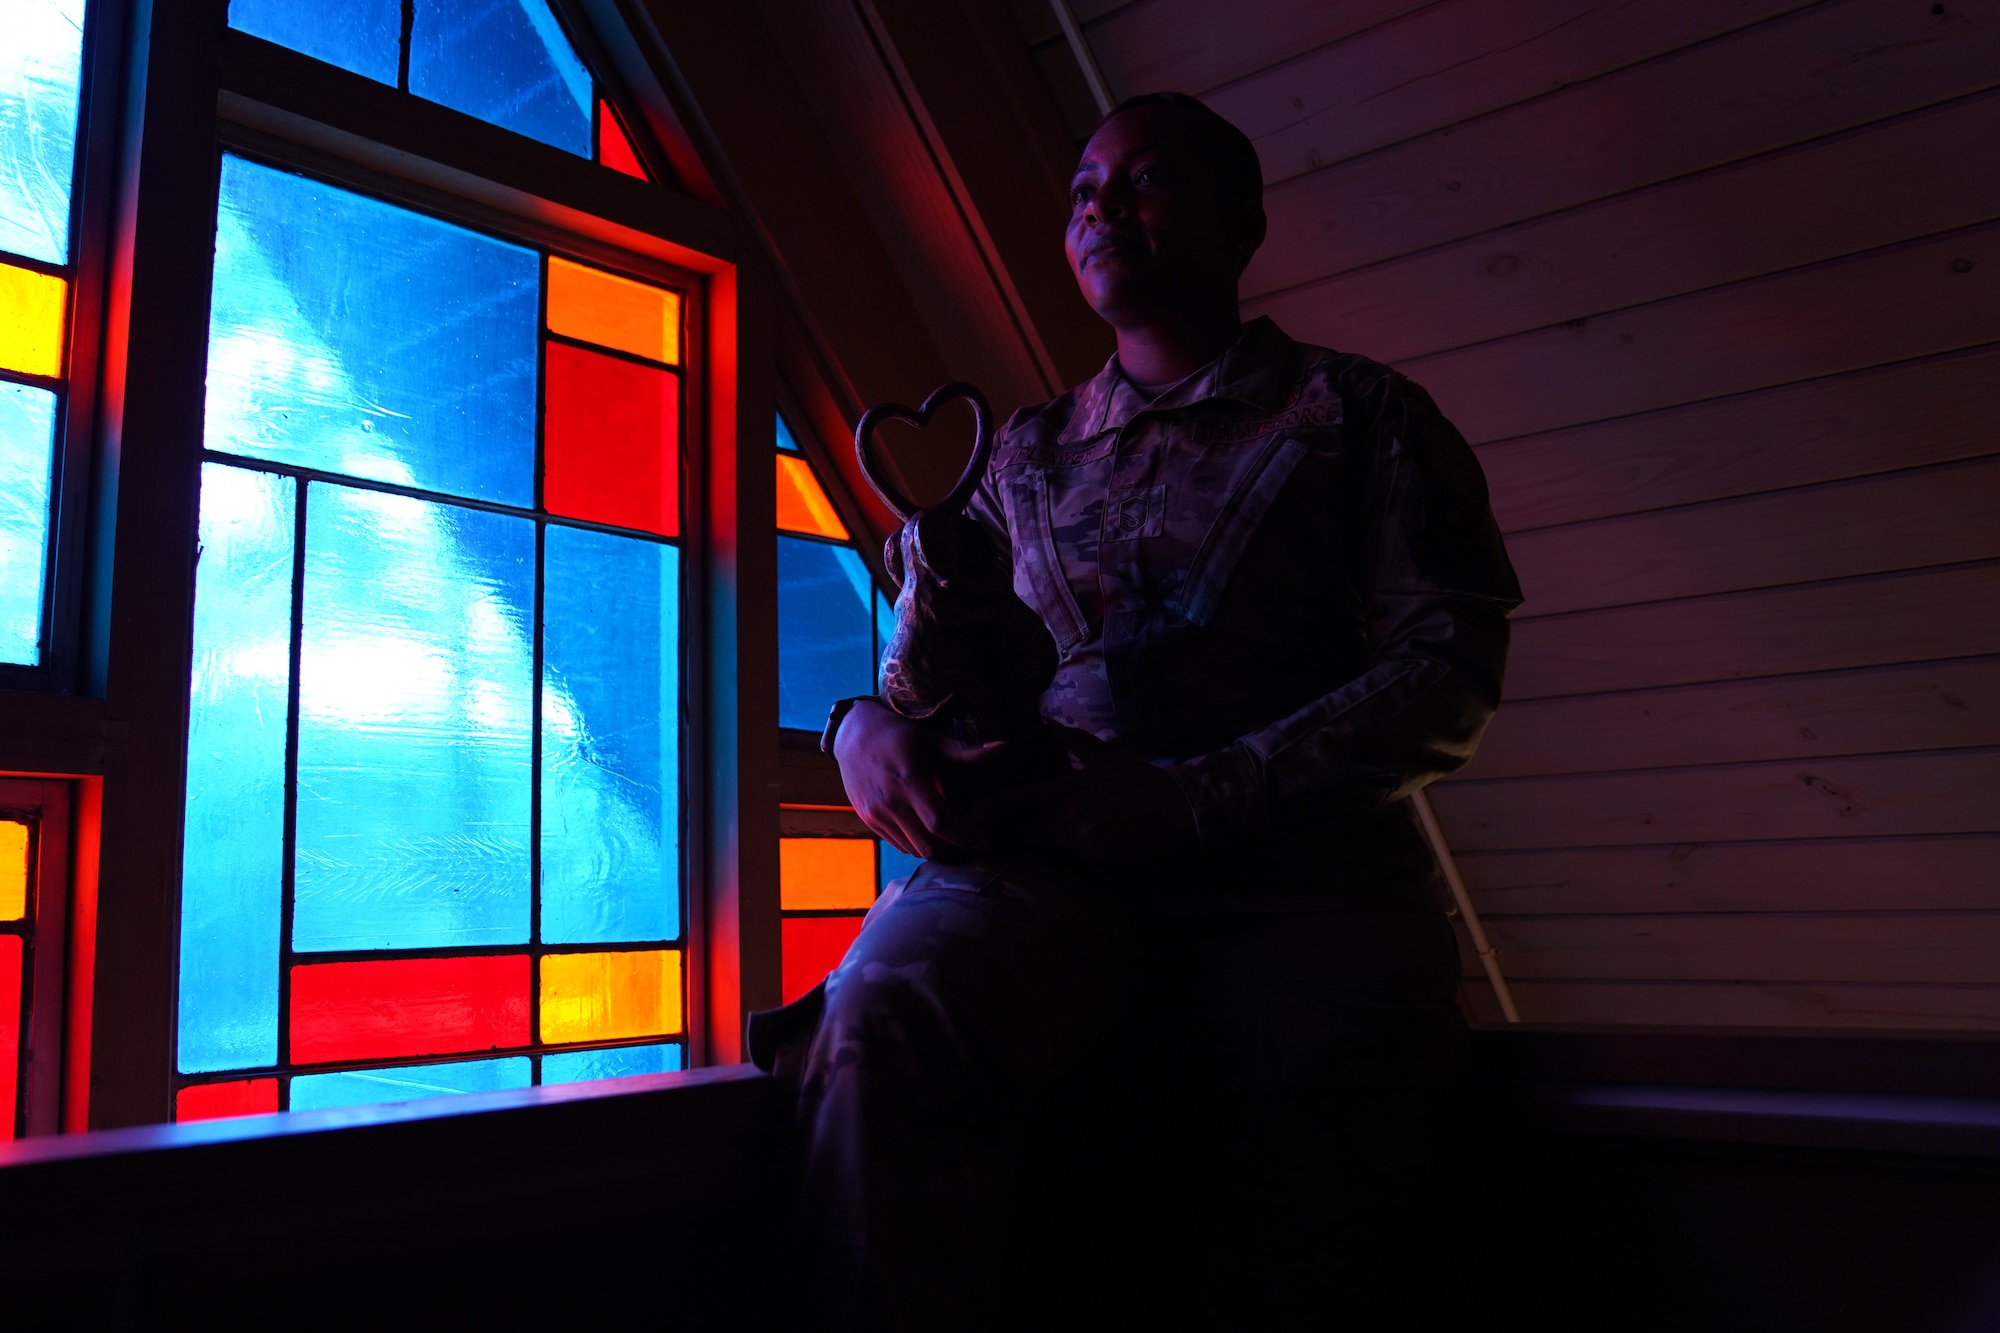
point(837, 715)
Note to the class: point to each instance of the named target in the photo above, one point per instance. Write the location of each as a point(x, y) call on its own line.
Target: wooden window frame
point(191, 89)
point(67, 640)
point(46, 803)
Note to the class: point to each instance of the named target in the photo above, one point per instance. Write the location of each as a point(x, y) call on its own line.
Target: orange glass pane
point(593, 306)
point(802, 504)
point(825, 874)
point(213, 1101)
point(603, 996)
point(13, 870)
point(614, 150)
point(31, 321)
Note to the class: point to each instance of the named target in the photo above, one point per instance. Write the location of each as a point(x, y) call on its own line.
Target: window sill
point(478, 1189)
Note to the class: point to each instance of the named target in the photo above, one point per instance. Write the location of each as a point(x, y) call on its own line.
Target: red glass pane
point(811, 947)
point(408, 1006)
point(10, 1029)
point(213, 1101)
point(611, 441)
point(614, 150)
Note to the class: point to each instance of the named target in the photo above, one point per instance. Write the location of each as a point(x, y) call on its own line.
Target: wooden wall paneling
point(1948, 514)
point(1793, 79)
point(1193, 46)
point(1037, 22)
point(1957, 872)
point(1873, 621)
point(820, 418)
point(1770, 213)
point(1920, 706)
point(1445, 63)
point(766, 145)
point(1961, 948)
point(1932, 410)
point(1001, 139)
point(1839, 796)
point(1894, 304)
point(836, 62)
point(1064, 80)
point(1747, 1004)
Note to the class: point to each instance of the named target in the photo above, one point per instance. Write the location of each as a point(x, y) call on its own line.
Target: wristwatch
point(838, 714)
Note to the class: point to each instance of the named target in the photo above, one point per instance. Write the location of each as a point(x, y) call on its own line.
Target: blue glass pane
point(893, 865)
point(27, 452)
point(785, 440)
point(885, 627)
point(365, 36)
point(826, 643)
point(582, 1066)
point(610, 739)
point(232, 860)
point(355, 337)
point(415, 672)
point(318, 1092)
point(41, 73)
point(504, 61)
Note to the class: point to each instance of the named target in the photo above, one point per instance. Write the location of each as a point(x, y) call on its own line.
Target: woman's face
point(1146, 236)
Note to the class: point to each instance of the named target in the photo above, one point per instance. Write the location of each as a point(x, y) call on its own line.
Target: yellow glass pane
point(593, 306)
point(13, 870)
point(825, 874)
point(602, 996)
point(31, 321)
point(802, 505)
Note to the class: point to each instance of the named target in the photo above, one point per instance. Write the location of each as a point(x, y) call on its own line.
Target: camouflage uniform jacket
point(1280, 579)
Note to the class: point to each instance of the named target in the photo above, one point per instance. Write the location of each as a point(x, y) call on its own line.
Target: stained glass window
point(828, 878)
point(41, 85)
point(15, 865)
point(434, 797)
point(508, 62)
point(832, 624)
point(33, 917)
point(832, 619)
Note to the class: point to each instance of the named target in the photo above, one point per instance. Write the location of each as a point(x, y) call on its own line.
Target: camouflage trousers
point(1012, 1087)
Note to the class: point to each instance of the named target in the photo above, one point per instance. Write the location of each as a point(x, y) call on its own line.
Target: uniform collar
point(1252, 372)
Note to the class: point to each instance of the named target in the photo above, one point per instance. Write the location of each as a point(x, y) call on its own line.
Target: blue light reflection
point(365, 36)
point(351, 336)
point(27, 455)
point(504, 61)
point(414, 724)
point(232, 856)
point(41, 77)
point(610, 739)
point(319, 1092)
point(826, 639)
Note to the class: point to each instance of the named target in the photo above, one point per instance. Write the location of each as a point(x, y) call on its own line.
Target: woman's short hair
point(1227, 150)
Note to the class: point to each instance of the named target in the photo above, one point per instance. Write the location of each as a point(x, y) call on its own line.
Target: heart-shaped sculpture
point(968, 481)
point(967, 654)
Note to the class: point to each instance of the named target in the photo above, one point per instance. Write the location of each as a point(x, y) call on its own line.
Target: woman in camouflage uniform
point(1213, 950)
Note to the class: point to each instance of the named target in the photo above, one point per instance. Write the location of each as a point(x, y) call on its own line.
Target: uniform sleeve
point(1438, 588)
point(984, 508)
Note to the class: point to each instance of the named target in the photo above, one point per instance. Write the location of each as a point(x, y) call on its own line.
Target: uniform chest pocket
point(1235, 523)
point(1038, 571)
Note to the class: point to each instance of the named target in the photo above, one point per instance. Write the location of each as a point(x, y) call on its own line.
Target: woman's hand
point(1112, 806)
point(891, 768)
